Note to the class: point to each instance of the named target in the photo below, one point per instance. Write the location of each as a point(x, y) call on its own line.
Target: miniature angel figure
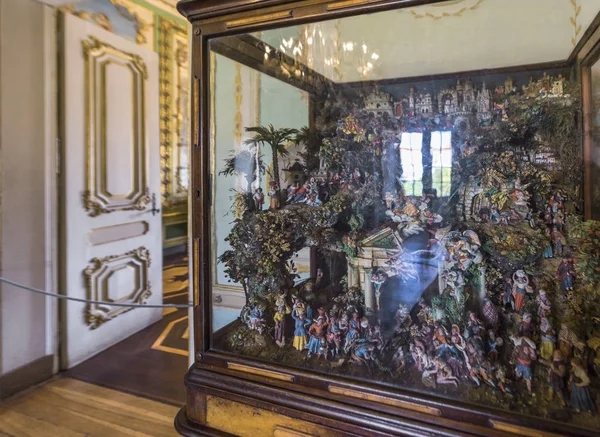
point(544, 304)
point(279, 318)
point(565, 274)
point(579, 381)
point(273, 196)
point(524, 355)
point(301, 322)
point(259, 199)
point(521, 287)
point(317, 333)
point(556, 378)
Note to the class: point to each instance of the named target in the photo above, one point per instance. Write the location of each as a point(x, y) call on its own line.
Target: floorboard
point(69, 408)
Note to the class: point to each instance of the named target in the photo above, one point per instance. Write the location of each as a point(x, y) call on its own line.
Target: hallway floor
point(153, 362)
point(65, 407)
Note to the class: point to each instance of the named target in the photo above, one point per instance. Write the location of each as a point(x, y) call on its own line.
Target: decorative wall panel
point(174, 109)
point(117, 278)
point(116, 161)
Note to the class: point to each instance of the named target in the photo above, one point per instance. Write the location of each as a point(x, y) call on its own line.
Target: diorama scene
point(387, 220)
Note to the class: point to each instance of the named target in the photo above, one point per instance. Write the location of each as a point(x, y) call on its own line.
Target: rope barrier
point(97, 302)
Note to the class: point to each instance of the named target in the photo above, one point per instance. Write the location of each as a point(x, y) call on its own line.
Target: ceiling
point(458, 35)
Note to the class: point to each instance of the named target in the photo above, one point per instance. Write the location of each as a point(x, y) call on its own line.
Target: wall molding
point(26, 376)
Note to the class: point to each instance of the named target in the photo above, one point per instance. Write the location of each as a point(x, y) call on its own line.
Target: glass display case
point(396, 201)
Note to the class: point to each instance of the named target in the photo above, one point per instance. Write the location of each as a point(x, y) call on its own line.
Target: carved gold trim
point(174, 84)
point(237, 119)
point(261, 19)
point(346, 4)
point(97, 200)
point(100, 270)
point(260, 372)
point(521, 430)
point(576, 26)
point(385, 400)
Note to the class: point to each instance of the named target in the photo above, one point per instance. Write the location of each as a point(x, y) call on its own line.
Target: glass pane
point(379, 216)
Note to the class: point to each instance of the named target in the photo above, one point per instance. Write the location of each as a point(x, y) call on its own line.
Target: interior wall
point(24, 231)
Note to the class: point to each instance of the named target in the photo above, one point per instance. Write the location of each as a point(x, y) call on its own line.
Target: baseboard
point(26, 376)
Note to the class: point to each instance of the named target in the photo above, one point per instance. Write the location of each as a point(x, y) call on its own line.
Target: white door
point(111, 235)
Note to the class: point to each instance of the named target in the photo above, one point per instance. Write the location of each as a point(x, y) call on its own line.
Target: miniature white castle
point(463, 99)
point(379, 103)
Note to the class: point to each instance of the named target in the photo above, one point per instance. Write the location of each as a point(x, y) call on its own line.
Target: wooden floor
point(153, 362)
point(69, 408)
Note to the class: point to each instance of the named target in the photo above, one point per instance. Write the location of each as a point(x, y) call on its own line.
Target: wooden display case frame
point(332, 402)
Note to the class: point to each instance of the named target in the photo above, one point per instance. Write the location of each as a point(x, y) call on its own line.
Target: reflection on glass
point(411, 158)
point(417, 232)
point(441, 153)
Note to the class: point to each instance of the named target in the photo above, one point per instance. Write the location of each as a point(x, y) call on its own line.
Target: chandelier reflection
point(322, 48)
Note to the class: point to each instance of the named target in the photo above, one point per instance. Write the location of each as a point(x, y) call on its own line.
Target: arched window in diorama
point(411, 159)
point(441, 157)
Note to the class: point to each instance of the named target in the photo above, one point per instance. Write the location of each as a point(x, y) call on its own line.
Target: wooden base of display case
point(223, 405)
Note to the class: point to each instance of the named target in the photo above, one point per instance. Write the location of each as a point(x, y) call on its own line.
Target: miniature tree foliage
point(277, 139)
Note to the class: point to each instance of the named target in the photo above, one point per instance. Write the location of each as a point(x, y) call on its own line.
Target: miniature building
point(373, 254)
point(379, 103)
point(463, 99)
point(296, 173)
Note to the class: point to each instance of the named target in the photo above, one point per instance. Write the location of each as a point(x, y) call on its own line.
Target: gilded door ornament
point(97, 198)
point(174, 108)
point(136, 264)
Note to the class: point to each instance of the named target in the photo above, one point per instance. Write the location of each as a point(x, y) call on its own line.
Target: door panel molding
point(98, 277)
point(97, 198)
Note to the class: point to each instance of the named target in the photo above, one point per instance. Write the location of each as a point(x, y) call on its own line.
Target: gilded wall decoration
point(97, 280)
point(174, 109)
point(122, 17)
point(574, 22)
point(237, 121)
point(463, 6)
point(97, 198)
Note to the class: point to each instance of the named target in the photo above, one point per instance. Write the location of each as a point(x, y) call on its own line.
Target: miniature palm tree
point(277, 139)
